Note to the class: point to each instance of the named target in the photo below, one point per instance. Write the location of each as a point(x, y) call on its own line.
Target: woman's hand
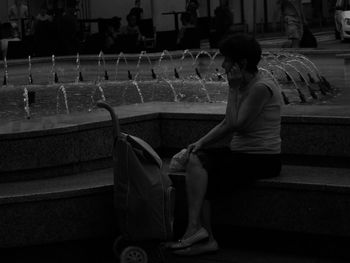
point(193, 148)
point(234, 76)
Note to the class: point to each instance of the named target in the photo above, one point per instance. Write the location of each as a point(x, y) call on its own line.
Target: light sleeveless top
point(262, 135)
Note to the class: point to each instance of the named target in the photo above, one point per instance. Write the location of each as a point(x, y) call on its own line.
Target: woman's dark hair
point(241, 46)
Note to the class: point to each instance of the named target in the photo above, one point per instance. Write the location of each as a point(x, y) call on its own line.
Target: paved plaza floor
point(325, 40)
point(99, 251)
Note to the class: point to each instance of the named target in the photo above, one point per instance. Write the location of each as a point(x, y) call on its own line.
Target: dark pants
point(228, 170)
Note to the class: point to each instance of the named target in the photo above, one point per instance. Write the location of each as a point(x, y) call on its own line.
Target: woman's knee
point(193, 162)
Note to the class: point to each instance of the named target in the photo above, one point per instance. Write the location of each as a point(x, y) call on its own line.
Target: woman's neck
point(248, 77)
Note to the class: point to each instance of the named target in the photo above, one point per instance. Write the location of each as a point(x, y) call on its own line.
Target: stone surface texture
point(52, 207)
point(320, 131)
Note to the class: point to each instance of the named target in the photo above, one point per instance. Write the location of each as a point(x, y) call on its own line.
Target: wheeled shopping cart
point(143, 198)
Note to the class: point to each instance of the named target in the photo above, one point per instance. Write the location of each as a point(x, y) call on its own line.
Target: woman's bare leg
point(196, 185)
point(206, 219)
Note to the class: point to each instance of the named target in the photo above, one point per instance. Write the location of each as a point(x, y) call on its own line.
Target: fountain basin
point(83, 142)
point(197, 79)
point(72, 195)
point(53, 145)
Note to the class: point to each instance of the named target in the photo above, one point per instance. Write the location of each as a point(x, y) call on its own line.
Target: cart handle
point(114, 116)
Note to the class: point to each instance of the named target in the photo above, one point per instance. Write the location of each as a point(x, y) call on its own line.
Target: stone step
point(300, 177)
point(304, 199)
point(57, 209)
point(57, 187)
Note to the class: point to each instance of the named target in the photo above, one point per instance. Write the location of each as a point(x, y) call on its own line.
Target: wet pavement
point(99, 251)
point(325, 40)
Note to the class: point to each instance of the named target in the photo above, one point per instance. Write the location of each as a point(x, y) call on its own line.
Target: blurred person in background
point(223, 19)
point(44, 33)
point(187, 35)
point(137, 11)
point(68, 30)
point(16, 13)
point(130, 35)
point(111, 33)
point(293, 17)
point(7, 35)
point(50, 5)
point(192, 8)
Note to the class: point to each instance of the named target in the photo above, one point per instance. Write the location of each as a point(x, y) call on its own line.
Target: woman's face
point(227, 64)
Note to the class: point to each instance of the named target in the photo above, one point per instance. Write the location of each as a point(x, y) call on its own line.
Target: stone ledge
point(55, 210)
point(162, 125)
point(57, 187)
point(303, 199)
point(310, 178)
point(292, 177)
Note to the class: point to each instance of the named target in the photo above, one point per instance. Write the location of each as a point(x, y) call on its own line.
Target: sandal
point(201, 234)
point(198, 249)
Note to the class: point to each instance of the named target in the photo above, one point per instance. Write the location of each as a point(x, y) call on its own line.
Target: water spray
point(79, 74)
point(30, 77)
point(53, 69)
point(6, 75)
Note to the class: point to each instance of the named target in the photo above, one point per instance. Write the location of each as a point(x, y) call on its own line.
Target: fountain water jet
point(164, 54)
point(201, 54)
point(204, 89)
point(136, 85)
point(121, 55)
point(184, 54)
point(53, 70)
point(62, 90)
point(101, 98)
point(303, 79)
point(298, 79)
point(30, 77)
point(105, 76)
point(301, 95)
point(6, 74)
point(284, 96)
point(26, 103)
point(172, 89)
point(79, 77)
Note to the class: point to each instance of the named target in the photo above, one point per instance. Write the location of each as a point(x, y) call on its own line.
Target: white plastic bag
point(178, 161)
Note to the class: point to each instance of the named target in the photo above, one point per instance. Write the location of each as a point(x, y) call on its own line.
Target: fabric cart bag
point(144, 198)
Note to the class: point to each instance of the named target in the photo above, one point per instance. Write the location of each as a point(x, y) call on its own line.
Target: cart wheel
point(133, 255)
